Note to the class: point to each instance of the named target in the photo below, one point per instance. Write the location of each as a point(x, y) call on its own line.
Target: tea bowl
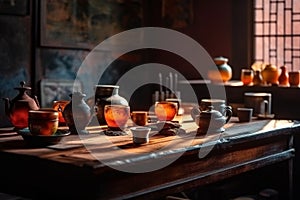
point(140, 134)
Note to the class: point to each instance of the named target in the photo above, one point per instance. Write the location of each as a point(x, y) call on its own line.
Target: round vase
point(270, 74)
point(222, 73)
point(107, 95)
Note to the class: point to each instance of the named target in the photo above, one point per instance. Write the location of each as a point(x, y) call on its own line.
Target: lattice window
point(277, 32)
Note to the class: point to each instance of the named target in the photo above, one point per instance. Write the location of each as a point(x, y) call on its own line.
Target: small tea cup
point(43, 121)
point(140, 118)
point(140, 134)
point(244, 114)
point(294, 78)
point(165, 110)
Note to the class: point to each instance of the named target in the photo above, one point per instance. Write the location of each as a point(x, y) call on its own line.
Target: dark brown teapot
point(17, 108)
point(211, 121)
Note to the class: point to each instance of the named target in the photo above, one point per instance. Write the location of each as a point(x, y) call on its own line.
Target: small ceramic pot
point(223, 71)
point(270, 74)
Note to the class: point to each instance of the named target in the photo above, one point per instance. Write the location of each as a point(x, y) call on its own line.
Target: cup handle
point(266, 107)
point(228, 111)
point(195, 112)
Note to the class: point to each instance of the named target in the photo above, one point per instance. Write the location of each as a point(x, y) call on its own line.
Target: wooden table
point(72, 168)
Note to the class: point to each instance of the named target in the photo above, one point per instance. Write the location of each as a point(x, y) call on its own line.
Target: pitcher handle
point(228, 112)
point(195, 112)
point(266, 107)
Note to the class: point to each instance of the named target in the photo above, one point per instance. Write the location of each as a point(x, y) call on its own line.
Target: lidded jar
point(107, 95)
point(77, 113)
point(17, 108)
point(222, 73)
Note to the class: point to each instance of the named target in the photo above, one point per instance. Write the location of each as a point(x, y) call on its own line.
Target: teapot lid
point(210, 113)
point(23, 87)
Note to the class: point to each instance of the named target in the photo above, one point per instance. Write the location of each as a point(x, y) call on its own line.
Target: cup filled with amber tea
point(116, 116)
point(43, 121)
point(139, 118)
point(165, 110)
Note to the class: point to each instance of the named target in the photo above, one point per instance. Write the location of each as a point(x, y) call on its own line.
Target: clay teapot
point(210, 121)
point(17, 108)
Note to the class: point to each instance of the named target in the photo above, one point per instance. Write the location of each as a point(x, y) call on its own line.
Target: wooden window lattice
point(277, 32)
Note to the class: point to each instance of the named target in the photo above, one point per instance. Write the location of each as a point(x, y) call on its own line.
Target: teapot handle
point(36, 101)
point(228, 112)
point(195, 112)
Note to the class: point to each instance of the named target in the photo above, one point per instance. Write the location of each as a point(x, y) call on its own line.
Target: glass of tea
point(165, 110)
point(116, 116)
point(247, 76)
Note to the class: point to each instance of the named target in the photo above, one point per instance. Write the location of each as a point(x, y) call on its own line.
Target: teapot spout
point(7, 105)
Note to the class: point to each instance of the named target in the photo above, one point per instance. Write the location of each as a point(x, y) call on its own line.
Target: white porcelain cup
point(140, 134)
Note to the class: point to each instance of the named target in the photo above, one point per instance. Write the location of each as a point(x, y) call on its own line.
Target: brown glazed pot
point(77, 114)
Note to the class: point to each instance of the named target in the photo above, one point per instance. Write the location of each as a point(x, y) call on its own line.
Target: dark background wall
point(221, 27)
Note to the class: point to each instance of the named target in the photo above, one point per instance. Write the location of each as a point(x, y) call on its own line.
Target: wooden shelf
point(285, 103)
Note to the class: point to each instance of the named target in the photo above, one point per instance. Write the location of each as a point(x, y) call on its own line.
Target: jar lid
point(220, 60)
point(107, 86)
point(213, 101)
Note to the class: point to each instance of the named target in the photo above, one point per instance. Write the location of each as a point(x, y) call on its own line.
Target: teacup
point(165, 110)
point(180, 110)
point(140, 134)
point(244, 114)
point(294, 78)
point(43, 121)
point(140, 118)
